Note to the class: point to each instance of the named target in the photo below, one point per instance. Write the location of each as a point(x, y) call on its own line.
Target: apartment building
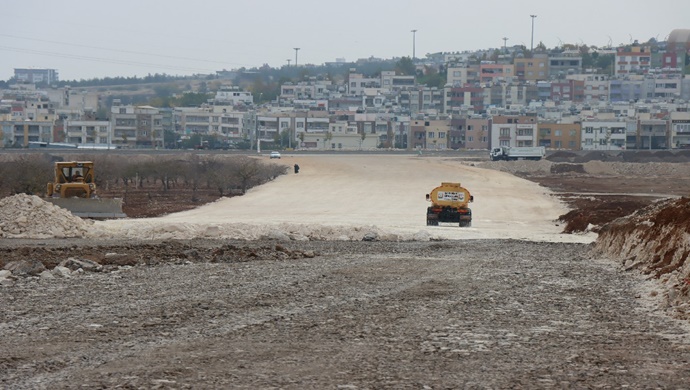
point(460, 98)
point(559, 135)
point(136, 126)
point(679, 125)
point(532, 69)
point(36, 76)
point(632, 60)
point(513, 130)
point(490, 72)
point(603, 135)
point(477, 133)
point(81, 132)
point(20, 133)
point(563, 64)
point(458, 76)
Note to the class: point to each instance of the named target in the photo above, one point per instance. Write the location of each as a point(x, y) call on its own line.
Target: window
point(505, 131)
point(572, 133)
point(431, 134)
point(441, 134)
point(557, 133)
point(526, 132)
point(470, 139)
point(589, 130)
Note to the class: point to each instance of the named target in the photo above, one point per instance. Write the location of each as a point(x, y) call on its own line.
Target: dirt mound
point(598, 156)
point(655, 240)
point(28, 216)
point(567, 168)
point(591, 213)
point(561, 156)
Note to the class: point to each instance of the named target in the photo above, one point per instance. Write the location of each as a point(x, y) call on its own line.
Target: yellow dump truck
point(449, 204)
point(74, 189)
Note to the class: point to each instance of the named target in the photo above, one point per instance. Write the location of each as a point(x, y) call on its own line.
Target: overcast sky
point(84, 39)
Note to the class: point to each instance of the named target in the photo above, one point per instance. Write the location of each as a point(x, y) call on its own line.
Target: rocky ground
point(366, 314)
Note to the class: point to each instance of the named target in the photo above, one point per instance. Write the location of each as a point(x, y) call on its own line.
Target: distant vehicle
point(517, 153)
point(275, 154)
point(449, 203)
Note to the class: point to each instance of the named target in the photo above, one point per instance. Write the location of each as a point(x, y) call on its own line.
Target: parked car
point(275, 154)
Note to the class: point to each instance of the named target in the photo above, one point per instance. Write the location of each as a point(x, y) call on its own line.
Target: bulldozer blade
point(94, 208)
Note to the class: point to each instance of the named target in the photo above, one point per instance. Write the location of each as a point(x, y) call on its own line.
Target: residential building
point(36, 76)
point(136, 126)
point(490, 72)
point(477, 133)
point(680, 129)
point(559, 135)
point(81, 132)
point(632, 60)
point(513, 130)
point(532, 69)
point(603, 135)
point(565, 63)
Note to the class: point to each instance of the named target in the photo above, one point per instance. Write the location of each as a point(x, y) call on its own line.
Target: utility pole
point(414, 35)
point(531, 48)
point(296, 50)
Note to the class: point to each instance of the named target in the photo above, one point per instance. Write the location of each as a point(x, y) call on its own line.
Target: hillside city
point(572, 97)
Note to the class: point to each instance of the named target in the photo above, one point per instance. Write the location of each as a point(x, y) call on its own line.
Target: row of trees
point(30, 173)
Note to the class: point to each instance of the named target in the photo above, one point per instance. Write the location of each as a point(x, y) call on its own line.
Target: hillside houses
point(558, 99)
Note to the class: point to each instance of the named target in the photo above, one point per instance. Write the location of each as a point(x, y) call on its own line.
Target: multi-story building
point(459, 98)
point(632, 60)
point(462, 75)
point(477, 133)
point(490, 72)
point(563, 64)
point(429, 134)
point(680, 129)
point(82, 132)
point(36, 76)
point(136, 126)
point(532, 69)
point(559, 135)
point(603, 135)
point(357, 83)
point(20, 133)
point(390, 82)
point(513, 130)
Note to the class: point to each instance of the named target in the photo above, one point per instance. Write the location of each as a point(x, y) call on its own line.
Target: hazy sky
point(84, 39)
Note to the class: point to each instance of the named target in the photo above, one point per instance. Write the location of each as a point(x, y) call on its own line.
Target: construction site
point(571, 274)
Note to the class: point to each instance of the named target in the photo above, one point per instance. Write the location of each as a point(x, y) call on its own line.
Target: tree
point(405, 66)
point(362, 137)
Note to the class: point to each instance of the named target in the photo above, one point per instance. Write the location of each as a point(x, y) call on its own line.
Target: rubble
point(28, 216)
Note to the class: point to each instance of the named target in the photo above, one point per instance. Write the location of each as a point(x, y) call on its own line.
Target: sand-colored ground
point(347, 196)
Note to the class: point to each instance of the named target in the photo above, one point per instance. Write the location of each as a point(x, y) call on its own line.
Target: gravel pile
point(28, 216)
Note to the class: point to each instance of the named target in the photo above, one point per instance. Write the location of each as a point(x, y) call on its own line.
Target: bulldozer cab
point(74, 172)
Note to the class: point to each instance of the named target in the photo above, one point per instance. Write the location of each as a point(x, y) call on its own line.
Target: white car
point(275, 154)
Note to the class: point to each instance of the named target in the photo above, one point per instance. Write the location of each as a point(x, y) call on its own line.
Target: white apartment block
point(87, 132)
point(603, 135)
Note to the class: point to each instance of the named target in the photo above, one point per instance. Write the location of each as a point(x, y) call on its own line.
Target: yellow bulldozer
point(74, 189)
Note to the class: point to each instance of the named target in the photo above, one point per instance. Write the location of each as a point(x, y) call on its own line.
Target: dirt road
point(301, 302)
point(348, 195)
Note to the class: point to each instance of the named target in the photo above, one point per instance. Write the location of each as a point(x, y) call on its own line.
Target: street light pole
point(531, 48)
point(505, 40)
point(414, 35)
point(296, 50)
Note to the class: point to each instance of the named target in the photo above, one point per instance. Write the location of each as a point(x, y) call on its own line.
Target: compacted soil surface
point(461, 314)
point(345, 314)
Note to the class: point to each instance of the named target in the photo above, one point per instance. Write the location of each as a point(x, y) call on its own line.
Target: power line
point(123, 51)
point(104, 60)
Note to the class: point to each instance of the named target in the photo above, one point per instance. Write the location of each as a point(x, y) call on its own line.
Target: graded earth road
point(337, 195)
point(307, 304)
